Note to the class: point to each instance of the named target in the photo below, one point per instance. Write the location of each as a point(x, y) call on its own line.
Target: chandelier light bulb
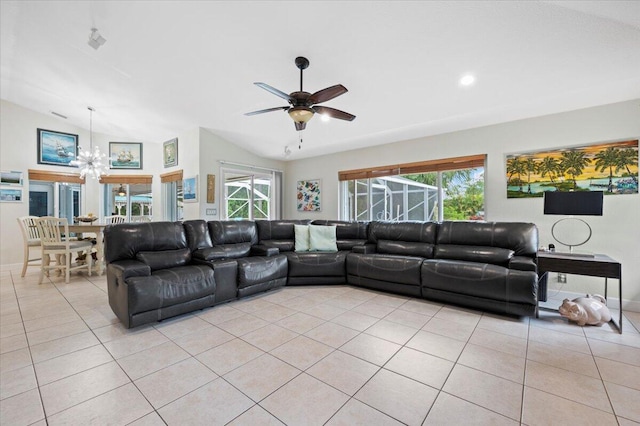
point(90, 161)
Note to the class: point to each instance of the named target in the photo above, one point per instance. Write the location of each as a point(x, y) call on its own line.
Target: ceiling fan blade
point(327, 94)
point(334, 113)
point(275, 91)
point(300, 125)
point(262, 111)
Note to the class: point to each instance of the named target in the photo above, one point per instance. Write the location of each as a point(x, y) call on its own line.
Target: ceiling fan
point(302, 105)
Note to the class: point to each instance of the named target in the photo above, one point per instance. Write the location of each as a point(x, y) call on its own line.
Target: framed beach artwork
point(57, 148)
point(190, 189)
point(10, 178)
point(611, 167)
point(10, 195)
point(308, 194)
point(170, 153)
point(125, 155)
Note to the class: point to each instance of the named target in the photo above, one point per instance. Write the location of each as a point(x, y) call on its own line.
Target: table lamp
point(572, 231)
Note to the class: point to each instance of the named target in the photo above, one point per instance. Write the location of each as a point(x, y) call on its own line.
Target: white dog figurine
point(590, 310)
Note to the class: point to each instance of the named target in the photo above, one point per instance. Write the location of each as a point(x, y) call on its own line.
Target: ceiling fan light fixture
point(300, 114)
point(121, 191)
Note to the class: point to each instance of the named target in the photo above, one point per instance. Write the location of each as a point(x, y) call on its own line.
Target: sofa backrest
point(488, 242)
point(234, 237)
point(404, 238)
point(348, 234)
point(278, 233)
point(197, 232)
point(147, 241)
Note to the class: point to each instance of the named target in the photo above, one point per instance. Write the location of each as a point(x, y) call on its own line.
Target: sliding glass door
point(251, 195)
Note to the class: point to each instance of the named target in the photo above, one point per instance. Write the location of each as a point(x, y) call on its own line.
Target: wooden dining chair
point(115, 219)
point(30, 239)
point(55, 240)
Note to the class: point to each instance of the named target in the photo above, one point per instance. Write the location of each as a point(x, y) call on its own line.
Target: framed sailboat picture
point(125, 155)
point(190, 189)
point(57, 148)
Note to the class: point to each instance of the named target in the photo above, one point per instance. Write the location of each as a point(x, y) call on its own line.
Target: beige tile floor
point(334, 355)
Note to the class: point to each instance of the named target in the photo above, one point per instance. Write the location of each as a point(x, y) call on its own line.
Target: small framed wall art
point(11, 195)
point(170, 153)
point(211, 189)
point(10, 178)
point(57, 148)
point(190, 189)
point(125, 155)
point(308, 194)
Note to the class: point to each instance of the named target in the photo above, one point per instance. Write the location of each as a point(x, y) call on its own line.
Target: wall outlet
point(562, 278)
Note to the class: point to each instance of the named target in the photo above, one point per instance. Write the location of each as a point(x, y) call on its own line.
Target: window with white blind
point(435, 190)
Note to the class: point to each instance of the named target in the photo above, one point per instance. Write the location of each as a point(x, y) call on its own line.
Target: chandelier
point(90, 162)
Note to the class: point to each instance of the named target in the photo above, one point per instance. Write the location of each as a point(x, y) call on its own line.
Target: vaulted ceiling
point(170, 66)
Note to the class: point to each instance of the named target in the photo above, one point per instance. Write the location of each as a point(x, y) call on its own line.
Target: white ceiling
point(171, 66)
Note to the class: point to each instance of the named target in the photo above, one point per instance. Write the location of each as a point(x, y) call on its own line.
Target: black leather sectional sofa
point(161, 269)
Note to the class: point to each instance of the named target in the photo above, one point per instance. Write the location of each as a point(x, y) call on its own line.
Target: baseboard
point(612, 302)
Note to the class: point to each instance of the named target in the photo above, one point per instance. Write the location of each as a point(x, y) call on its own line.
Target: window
point(449, 189)
point(252, 195)
point(173, 195)
point(55, 194)
point(129, 196)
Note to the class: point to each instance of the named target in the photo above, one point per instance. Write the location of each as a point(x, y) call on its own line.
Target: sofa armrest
point(262, 250)
point(123, 269)
point(523, 263)
point(364, 249)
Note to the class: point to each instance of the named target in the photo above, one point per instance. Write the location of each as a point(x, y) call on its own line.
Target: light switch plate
point(212, 212)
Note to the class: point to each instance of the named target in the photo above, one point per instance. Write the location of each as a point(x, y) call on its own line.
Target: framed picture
point(308, 195)
point(211, 189)
point(190, 189)
point(125, 155)
point(11, 178)
point(170, 153)
point(10, 195)
point(57, 148)
point(611, 167)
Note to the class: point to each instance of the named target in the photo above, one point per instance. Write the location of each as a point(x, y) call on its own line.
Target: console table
point(598, 265)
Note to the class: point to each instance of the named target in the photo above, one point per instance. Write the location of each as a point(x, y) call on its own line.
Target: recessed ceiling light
point(324, 117)
point(467, 80)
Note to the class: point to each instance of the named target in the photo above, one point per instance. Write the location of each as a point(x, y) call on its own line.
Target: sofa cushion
point(322, 238)
point(381, 267)
point(522, 238)
point(167, 287)
point(225, 251)
point(316, 264)
point(233, 232)
point(197, 233)
point(255, 270)
point(405, 248)
point(278, 233)
point(301, 237)
point(125, 240)
point(164, 259)
point(404, 238)
point(495, 255)
point(480, 280)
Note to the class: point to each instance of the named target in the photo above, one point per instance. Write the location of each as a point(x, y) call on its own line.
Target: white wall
point(18, 151)
point(617, 233)
point(214, 149)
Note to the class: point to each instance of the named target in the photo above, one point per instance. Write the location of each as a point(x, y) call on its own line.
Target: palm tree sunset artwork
point(609, 167)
